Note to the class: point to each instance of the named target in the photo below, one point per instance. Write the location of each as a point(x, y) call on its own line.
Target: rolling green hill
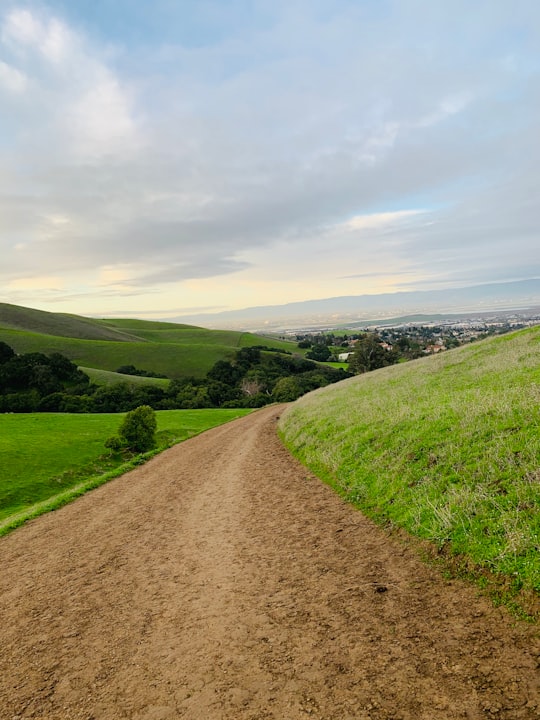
point(15, 317)
point(447, 447)
point(168, 348)
point(106, 377)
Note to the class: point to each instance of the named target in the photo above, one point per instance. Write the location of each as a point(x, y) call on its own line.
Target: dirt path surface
point(222, 581)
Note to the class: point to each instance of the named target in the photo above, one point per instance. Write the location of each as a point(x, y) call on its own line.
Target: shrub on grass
point(114, 444)
point(139, 428)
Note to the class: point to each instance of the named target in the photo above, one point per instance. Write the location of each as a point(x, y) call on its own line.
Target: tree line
point(35, 382)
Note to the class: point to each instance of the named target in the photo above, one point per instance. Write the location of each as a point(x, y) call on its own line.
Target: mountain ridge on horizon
point(474, 298)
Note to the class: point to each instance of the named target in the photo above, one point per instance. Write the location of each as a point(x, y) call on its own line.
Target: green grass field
point(106, 377)
point(45, 454)
point(338, 365)
point(447, 447)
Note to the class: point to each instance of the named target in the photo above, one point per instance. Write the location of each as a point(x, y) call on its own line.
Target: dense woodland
point(34, 382)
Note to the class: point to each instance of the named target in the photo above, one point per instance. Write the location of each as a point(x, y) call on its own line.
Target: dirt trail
point(221, 581)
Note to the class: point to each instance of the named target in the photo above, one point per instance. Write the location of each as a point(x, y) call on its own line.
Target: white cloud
point(49, 36)
point(379, 220)
point(448, 106)
point(12, 79)
point(21, 27)
point(100, 119)
point(80, 107)
point(56, 220)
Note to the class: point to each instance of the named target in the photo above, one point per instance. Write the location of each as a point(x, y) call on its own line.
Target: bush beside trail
point(137, 431)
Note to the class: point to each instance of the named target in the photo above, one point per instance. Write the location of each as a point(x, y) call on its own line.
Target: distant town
point(411, 337)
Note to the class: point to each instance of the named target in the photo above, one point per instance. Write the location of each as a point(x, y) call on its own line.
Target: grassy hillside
point(173, 360)
point(134, 325)
point(15, 317)
point(447, 447)
point(168, 348)
point(106, 377)
point(164, 332)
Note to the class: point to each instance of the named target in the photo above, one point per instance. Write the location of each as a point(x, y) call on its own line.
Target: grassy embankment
point(50, 458)
point(447, 447)
point(106, 377)
point(172, 349)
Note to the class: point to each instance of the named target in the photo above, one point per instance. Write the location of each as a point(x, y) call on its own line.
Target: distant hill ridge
point(349, 309)
point(16, 317)
point(173, 349)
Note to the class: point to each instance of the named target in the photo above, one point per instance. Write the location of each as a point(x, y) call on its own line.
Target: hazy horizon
point(474, 300)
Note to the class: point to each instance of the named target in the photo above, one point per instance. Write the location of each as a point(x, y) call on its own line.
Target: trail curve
point(222, 581)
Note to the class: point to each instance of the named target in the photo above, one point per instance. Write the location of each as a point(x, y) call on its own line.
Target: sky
point(167, 157)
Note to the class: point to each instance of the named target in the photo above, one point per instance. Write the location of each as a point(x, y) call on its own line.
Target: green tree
point(225, 372)
point(6, 352)
point(369, 355)
point(114, 398)
point(139, 428)
point(247, 357)
point(44, 380)
point(321, 353)
point(287, 389)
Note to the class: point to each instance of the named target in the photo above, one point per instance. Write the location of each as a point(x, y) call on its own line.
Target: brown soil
point(223, 581)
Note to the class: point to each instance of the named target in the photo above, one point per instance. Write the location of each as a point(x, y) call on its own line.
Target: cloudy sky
point(167, 156)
